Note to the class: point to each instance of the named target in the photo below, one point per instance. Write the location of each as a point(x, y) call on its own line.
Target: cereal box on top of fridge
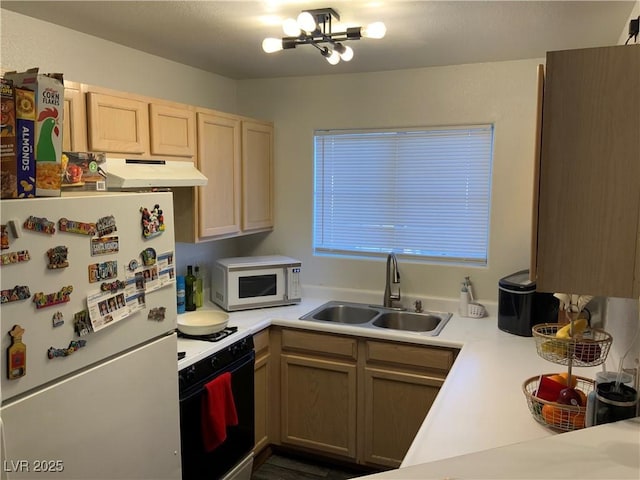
point(25, 140)
point(49, 96)
point(8, 165)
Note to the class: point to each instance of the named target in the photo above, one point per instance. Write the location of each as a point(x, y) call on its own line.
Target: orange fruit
point(565, 376)
point(554, 416)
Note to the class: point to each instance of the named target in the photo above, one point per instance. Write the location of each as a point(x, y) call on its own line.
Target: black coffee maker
point(520, 306)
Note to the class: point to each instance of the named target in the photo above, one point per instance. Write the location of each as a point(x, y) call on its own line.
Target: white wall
point(27, 42)
point(635, 13)
point(501, 93)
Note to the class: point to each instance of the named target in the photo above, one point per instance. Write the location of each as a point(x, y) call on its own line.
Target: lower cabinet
point(353, 398)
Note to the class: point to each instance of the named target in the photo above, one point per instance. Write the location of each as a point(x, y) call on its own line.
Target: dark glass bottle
point(190, 290)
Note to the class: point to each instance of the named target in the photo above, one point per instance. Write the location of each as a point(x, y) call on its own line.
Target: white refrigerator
point(88, 315)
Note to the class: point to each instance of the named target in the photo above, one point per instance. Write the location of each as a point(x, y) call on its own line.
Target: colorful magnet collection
point(101, 242)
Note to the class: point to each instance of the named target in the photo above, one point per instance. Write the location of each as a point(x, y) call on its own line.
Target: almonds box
point(49, 98)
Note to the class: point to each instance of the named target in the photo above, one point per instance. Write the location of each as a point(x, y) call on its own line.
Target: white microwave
point(243, 283)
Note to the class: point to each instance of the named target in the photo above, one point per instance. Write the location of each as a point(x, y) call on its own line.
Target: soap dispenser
point(463, 307)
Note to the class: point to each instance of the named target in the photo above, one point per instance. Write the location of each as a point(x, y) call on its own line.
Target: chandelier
point(313, 27)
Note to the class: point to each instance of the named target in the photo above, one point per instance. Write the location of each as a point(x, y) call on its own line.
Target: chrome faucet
point(393, 276)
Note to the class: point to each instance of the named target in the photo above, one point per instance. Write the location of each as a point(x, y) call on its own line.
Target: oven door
point(197, 464)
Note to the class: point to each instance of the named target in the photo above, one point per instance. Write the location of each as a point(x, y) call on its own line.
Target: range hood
point(136, 173)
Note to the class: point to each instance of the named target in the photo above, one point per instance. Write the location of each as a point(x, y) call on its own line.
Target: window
point(421, 193)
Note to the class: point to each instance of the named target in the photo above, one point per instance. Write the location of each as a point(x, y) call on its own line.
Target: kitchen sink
point(341, 312)
point(373, 316)
point(413, 322)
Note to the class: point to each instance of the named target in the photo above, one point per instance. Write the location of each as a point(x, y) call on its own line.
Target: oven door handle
point(247, 359)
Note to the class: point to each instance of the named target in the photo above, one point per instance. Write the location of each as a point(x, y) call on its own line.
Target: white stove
point(198, 349)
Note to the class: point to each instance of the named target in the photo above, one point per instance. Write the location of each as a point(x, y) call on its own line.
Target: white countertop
point(481, 405)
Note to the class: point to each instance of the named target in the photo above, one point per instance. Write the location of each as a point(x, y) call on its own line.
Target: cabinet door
point(257, 176)
point(173, 131)
point(318, 409)
point(396, 404)
point(74, 123)
point(117, 124)
point(589, 203)
point(262, 381)
point(219, 160)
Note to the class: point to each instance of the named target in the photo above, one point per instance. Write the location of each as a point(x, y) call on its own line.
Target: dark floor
point(281, 467)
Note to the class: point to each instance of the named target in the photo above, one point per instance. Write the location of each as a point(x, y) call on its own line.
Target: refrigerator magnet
point(112, 286)
point(14, 257)
point(148, 257)
point(104, 245)
point(106, 225)
point(40, 225)
point(103, 271)
point(4, 237)
point(19, 292)
point(46, 300)
point(58, 319)
point(152, 221)
point(81, 228)
point(73, 347)
point(82, 323)
point(157, 314)
point(57, 257)
point(16, 354)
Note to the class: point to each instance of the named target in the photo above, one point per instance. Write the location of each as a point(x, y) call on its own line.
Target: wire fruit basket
point(588, 349)
point(557, 416)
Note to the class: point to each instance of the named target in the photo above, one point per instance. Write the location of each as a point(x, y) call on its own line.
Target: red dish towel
point(218, 411)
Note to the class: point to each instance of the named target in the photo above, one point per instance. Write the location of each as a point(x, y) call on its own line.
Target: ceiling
point(225, 37)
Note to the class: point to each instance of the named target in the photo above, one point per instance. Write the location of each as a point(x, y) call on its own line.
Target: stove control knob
point(187, 375)
point(214, 362)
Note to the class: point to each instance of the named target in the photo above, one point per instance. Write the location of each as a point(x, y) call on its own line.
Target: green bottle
point(198, 292)
point(189, 290)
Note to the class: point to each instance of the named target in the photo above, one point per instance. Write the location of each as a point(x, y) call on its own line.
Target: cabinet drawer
point(412, 355)
point(325, 344)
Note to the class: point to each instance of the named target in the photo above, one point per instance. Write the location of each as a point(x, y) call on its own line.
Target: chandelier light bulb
point(271, 45)
point(333, 58)
point(306, 22)
point(290, 27)
point(347, 54)
point(374, 30)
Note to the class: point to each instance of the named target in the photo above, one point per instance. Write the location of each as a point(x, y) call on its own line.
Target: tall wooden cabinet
point(257, 175)
point(588, 232)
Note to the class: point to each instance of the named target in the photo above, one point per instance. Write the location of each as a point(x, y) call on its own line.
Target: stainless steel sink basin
point(341, 312)
point(414, 322)
point(372, 316)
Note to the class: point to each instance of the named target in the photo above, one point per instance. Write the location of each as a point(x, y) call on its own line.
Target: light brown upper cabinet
point(257, 175)
point(74, 122)
point(218, 202)
point(236, 155)
point(129, 124)
point(588, 235)
point(117, 124)
point(173, 130)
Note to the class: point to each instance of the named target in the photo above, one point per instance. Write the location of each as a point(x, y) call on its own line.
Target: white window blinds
point(421, 193)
